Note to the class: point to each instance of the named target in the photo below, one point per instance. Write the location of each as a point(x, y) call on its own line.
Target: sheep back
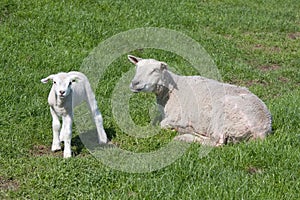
point(216, 110)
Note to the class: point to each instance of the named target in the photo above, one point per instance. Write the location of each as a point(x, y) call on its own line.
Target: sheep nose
point(61, 92)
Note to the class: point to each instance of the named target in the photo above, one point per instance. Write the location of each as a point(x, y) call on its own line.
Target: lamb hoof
point(55, 147)
point(103, 141)
point(67, 154)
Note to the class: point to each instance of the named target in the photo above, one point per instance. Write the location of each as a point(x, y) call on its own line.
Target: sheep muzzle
point(134, 86)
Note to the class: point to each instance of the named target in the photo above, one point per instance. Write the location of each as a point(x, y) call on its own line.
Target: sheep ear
point(163, 66)
point(45, 80)
point(133, 59)
point(75, 78)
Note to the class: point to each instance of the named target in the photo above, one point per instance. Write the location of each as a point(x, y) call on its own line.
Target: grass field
point(255, 44)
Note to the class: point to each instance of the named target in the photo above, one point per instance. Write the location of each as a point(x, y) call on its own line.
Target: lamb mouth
point(61, 96)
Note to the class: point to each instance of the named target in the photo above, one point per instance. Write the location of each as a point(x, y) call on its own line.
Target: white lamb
point(69, 90)
point(201, 109)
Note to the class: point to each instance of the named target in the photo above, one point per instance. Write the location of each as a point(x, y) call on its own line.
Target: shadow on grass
point(89, 140)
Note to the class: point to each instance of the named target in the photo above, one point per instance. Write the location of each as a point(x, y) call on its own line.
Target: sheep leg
point(219, 122)
point(99, 125)
point(188, 137)
point(185, 137)
point(55, 128)
point(221, 141)
point(92, 103)
point(67, 135)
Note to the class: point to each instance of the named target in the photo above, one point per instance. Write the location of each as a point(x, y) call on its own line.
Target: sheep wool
point(69, 90)
point(201, 109)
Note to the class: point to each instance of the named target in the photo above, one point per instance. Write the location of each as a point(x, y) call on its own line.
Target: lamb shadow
point(89, 140)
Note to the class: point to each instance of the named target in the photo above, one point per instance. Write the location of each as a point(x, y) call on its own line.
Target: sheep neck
point(165, 88)
point(162, 96)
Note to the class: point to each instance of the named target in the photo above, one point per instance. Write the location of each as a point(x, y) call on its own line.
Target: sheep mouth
point(136, 90)
point(144, 88)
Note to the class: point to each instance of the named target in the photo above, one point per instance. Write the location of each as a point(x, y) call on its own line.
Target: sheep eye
point(155, 70)
point(54, 82)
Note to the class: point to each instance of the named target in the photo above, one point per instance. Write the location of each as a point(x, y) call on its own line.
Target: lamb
point(69, 90)
point(202, 110)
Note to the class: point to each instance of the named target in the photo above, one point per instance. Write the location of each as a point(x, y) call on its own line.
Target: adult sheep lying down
point(200, 109)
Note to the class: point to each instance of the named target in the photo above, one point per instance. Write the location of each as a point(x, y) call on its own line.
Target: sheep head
point(61, 83)
point(148, 76)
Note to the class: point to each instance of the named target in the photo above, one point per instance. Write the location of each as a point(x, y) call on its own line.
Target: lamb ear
point(163, 66)
point(45, 80)
point(134, 59)
point(74, 78)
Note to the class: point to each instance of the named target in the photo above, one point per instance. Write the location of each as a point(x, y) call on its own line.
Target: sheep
point(69, 90)
point(202, 110)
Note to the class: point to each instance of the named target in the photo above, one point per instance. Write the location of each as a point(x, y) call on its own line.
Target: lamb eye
point(54, 82)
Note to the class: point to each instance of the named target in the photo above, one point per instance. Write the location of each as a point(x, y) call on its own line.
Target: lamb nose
point(61, 92)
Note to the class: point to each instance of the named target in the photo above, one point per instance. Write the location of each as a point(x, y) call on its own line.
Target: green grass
point(254, 44)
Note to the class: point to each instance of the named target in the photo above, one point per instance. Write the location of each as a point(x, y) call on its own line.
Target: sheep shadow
point(89, 140)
